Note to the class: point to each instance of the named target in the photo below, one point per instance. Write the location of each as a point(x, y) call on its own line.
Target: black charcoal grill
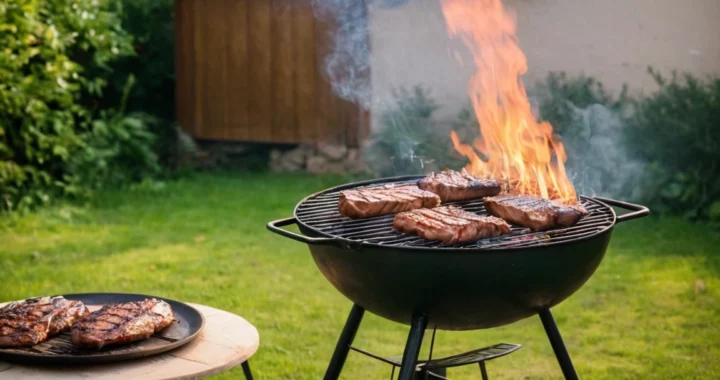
point(483, 284)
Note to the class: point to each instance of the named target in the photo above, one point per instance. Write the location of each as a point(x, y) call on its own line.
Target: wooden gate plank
point(260, 65)
point(201, 69)
point(184, 64)
point(327, 113)
point(238, 86)
point(306, 71)
point(283, 72)
point(216, 103)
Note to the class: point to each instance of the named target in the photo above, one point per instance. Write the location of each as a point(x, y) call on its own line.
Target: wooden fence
point(251, 70)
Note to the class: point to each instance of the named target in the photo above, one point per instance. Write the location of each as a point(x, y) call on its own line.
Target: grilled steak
point(362, 203)
point(449, 224)
point(32, 321)
point(122, 323)
point(533, 212)
point(459, 186)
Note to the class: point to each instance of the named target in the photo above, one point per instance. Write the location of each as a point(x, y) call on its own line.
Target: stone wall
point(322, 158)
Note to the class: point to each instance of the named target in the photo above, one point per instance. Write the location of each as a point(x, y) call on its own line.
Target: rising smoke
point(599, 163)
point(347, 66)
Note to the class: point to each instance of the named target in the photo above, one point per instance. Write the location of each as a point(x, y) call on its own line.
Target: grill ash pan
point(484, 284)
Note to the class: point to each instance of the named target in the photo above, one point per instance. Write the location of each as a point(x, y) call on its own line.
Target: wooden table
point(226, 341)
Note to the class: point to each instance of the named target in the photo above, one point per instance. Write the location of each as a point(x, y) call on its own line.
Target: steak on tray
point(533, 212)
point(122, 323)
point(382, 200)
point(459, 186)
point(32, 321)
point(449, 224)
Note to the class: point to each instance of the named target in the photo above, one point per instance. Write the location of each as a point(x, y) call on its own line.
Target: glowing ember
point(517, 147)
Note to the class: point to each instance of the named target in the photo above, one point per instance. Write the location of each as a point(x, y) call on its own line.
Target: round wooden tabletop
point(227, 340)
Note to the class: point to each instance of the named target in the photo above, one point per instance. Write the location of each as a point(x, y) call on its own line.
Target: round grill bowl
point(490, 283)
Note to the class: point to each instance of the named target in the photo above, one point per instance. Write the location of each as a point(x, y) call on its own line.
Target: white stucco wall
point(613, 40)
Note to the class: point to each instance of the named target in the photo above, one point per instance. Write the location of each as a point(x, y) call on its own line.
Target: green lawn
point(203, 239)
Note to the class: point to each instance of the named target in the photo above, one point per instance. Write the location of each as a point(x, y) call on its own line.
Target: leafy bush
point(564, 102)
point(150, 23)
point(56, 54)
point(116, 149)
point(590, 122)
point(662, 150)
point(409, 140)
point(561, 95)
point(676, 131)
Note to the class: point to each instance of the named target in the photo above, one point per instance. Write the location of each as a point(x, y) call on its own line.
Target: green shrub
point(409, 141)
point(676, 131)
point(589, 121)
point(150, 23)
point(563, 101)
point(116, 149)
point(561, 95)
point(662, 149)
point(56, 55)
point(715, 213)
point(153, 65)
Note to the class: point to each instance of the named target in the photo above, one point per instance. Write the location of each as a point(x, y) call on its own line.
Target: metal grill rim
point(319, 213)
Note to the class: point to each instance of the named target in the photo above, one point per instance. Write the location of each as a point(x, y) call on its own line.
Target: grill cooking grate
point(320, 212)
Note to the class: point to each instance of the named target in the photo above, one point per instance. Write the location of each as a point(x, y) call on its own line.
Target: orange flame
point(517, 147)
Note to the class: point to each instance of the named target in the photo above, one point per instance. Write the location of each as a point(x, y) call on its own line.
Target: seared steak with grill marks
point(32, 321)
point(122, 323)
point(534, 212)
point(459, 186)
point(375, 201)
point(449, 224)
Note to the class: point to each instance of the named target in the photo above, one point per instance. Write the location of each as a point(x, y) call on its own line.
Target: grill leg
point(246, 370)
point(483, 371)
point(343, 345)
point(412, 347)
point(557, 344)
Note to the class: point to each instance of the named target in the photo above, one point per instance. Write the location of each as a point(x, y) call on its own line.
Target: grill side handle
point(274, 226)
point(638, 211)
